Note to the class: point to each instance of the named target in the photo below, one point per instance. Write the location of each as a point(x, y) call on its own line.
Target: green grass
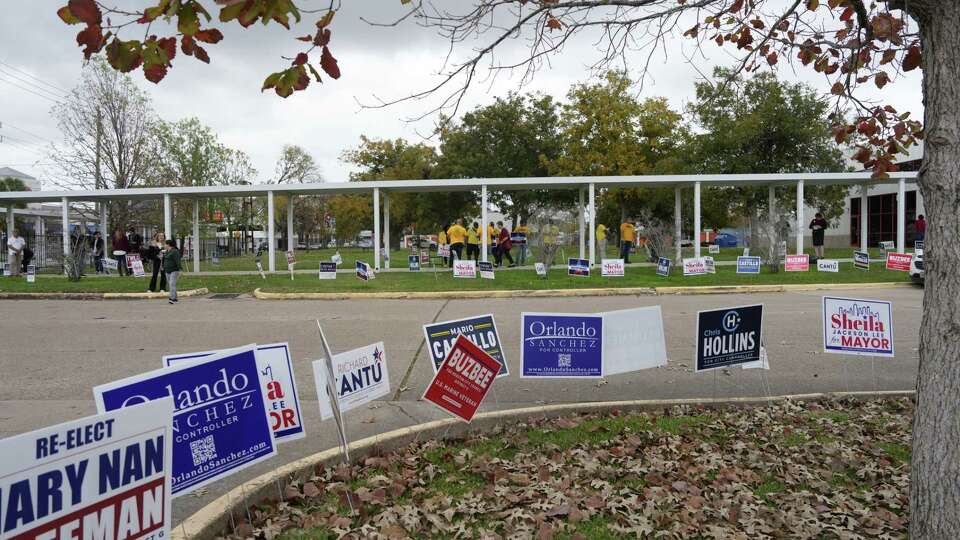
point(898, 453)
point(444, 281)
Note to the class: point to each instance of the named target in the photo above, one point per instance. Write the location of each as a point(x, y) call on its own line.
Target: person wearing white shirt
point(15, 245)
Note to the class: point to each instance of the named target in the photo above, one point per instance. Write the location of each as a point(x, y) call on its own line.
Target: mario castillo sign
point(278, 384)
point(728, 336)
point(219, 426)
point(463, 380)
point(360, 376)
point(100, 477)
point(480, 330)
point(859, 327)
point(748, 265)
point(561, 345)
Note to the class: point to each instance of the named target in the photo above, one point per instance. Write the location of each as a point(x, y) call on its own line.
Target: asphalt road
point(54, 352)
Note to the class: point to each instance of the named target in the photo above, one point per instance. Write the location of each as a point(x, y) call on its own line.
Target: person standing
point(154, 253)
point(171, 267)
point(627, 235)
point(521, 233)
point(15, 247)
point(120, 247)
point(601, 235)
point(818, 225)
point(473, 241)
point(442, 241)
point(457, 236)
point(492, 234)
point(503, 245)
point(98, 252)
point(921, 226)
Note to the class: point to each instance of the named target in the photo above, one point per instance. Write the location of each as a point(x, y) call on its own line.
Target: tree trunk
point(935, 473)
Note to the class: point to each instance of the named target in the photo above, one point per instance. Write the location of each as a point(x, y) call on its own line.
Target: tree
point(296, 165)
point(10, 183)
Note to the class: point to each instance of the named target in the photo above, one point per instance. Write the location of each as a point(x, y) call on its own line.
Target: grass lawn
point(833, 469)
point(427, 280)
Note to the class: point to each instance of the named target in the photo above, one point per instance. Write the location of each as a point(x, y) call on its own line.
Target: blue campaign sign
point(219, 423)
point(578, 267)
point(663, 267)
point(748, 265)
point(480, 330)
point(561, 345)
point(413, 263)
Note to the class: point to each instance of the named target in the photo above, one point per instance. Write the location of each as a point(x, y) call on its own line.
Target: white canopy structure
point(586, 185)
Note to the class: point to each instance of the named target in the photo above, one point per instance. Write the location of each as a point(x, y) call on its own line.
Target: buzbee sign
point(100, 477)
point(861, 327)
point(481, 331)
point(561, 345)
point(728, 336)
point(219, 425)
point(463, 380)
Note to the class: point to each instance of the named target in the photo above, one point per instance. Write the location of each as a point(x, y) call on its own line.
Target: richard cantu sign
point(219, 425)
point(463, 380)
point(612, 268)
point(856, 326)
point(561, 345)
point(728, 336)
point(480, 330)
point(100, 477)
point(360, 376)
point(748, 265)
point(828, 265)
point(280, 398)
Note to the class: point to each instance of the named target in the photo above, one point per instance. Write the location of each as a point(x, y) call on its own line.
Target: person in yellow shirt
point(601, 235)
point(442, 241)
point(492, 234)
point(520, 234)
point(473, 241)
point(457, 236)
point(627, 234)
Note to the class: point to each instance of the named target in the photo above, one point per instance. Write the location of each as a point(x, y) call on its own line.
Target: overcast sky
point(326, 119)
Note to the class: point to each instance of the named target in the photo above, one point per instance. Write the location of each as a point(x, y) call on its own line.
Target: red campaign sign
point(899, 261)
point(463, 379)
point(797, 263)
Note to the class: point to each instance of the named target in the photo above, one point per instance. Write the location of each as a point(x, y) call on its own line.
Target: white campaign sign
point(828, 265)
point(695, 266)
point(280, 398)
point(360, 376)
point(633, 339)
point(464, 269)
point(540, 268)
point(857, 326)
point(612, 268)
point(103, 476)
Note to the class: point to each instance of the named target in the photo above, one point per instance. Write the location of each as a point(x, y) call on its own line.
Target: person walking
point(921, 226)
point(97, 249)
point(492, 234)
point(15, 247)
point(154, 254)
point(457, 236)
point(120, 247)
point(601, 235)
point(503, 246)
point(627, 234)
point(473, 242)
point(442, 241)
point(171, 267)
point(520, 234)
point(819, 226)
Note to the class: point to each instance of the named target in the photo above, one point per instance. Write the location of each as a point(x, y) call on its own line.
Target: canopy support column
point(291, 242)
point(104, 233)
point(901, 215)
point(10, 221)
point(196, 236)
point(580, 224)
point(677, 225)
point(696, 219)
point(592, 202)
point(376, 228)
point(799, 217)
point(271, 241)
point(386, 230)
point(772, 216)
point(484, 237)
point(167, 218)
point(65, 233)
point(864, 218)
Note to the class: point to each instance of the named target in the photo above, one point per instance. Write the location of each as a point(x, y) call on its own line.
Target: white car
point(916, 269)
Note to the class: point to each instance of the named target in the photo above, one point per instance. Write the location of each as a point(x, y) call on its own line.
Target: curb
point(571, 293)
point(99, 296)
point(212, 519)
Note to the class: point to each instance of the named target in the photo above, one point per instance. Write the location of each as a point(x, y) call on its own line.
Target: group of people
point(499, 240)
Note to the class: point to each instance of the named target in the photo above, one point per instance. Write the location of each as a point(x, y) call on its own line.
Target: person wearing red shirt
point(504, 244)
point(921, 225)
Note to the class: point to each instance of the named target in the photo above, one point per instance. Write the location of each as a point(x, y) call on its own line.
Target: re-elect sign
point(219, 426)
point(463, 380)
point(861, 327)
point(360, 376)
point(480, 330)
point(281, 401)
point(561, 345)
point(100, 477)
point(728, 336)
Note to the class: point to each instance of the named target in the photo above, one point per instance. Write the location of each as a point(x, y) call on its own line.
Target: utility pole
point(98, 178)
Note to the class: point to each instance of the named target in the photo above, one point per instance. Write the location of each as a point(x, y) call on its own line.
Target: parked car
point(301, 245)
point(725, 240)
point(916, 269)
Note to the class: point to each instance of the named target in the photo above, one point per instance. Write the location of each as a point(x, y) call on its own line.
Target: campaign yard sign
point(861, 260)
point(578, 267)
point(663, 267)
point(887, 245)
point(633, 339)
point(31, 273)
point(612, 268)
point(463, 380)
point(561, 345)
point(540, 268)
point(136, 264)
point(899, 261)
point(728, 336)
point(713, 249)
point(413, 263)
point(797, 263)
point(281, 400)
point(328, 270)
point(291, 258)
point(364, 271)
point(486, 270)
point(711, 266)
point(748, 265)
point(696, 266)
point(219, 426)
point(828, 265)
point(101, 477)
point(360, 376)
point(480, 330)
point(859, 327)
point(110, 264)
point(443, 250)
point(465, 268)
point(918, 248)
